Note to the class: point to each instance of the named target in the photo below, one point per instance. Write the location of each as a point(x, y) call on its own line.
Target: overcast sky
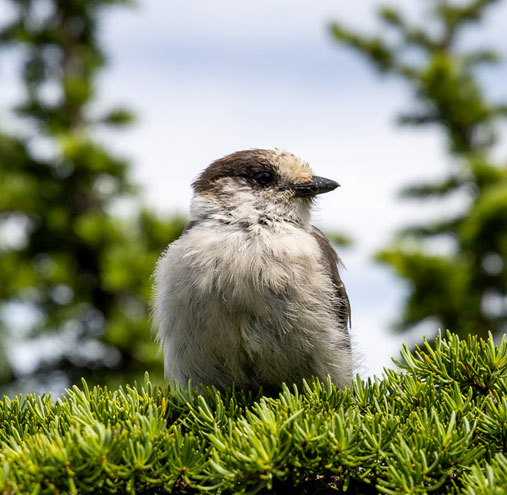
point(209, 78)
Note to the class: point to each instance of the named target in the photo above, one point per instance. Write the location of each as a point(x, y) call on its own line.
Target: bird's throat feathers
point(245, 208)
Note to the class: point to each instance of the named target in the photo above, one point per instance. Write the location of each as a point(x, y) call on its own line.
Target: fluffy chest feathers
point(251, 305)
point(247, 265)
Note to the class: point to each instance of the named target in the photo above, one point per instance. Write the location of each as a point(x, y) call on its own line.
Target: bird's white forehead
point(292, 167)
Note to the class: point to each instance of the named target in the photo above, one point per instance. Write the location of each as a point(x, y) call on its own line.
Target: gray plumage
point(251, 293)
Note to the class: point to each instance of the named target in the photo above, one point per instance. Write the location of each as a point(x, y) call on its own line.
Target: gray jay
point(250, 293)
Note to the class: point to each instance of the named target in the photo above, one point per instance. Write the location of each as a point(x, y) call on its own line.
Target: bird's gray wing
point(332, 260)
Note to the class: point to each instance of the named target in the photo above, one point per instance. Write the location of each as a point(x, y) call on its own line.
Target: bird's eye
point(264, 178)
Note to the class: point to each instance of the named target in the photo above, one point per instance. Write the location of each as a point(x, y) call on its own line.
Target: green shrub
point(437, 425)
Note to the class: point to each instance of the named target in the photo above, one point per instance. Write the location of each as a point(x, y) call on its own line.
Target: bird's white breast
point(249, 303)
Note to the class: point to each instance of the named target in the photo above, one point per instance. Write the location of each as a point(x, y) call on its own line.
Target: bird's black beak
point(318, 185)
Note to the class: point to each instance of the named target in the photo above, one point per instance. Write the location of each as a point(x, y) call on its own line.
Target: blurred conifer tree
point(78, 274)
point(464, 290)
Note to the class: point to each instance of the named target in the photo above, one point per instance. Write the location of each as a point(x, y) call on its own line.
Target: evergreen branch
point(447, 227)
point(439, 189)
point(373, 47)
point(416, 119)
point(436, 424)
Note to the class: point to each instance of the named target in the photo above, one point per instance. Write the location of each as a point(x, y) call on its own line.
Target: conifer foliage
point(465, 289)
point(438, 425)
point(81, 274)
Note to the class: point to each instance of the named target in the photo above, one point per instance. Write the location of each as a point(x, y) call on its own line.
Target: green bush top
point(437, 425)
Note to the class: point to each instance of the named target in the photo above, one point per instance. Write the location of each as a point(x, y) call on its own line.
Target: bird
point(250, 294)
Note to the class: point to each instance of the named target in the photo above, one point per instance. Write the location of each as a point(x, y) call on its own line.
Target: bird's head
point(257, 187)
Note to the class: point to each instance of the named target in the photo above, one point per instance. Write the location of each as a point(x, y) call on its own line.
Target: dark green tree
point(465, 290)
point(80, 274)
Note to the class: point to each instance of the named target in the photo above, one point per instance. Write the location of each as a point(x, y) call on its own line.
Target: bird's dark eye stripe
point(264, 177)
